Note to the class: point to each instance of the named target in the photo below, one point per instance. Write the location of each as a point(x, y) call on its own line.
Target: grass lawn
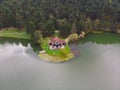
point(102, 38)
point(15, 34)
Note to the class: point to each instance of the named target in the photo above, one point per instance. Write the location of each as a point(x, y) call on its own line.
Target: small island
point(55, 50)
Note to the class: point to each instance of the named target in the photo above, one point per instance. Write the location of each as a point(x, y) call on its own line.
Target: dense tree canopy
point(50, 15)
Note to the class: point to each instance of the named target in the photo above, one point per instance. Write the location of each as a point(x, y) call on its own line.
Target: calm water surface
point(96, 67)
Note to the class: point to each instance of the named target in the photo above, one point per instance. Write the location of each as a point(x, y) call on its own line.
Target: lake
point(95, 67)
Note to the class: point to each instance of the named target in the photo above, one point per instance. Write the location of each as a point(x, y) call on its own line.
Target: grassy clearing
point(15, 34)
point(102, 38)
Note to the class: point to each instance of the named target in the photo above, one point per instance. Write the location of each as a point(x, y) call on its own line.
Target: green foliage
point(63, 26)
point(51, 15)
point(74, 28)
point(88, 25)
point(50, 26)
point(30, 27)
point(37, 37)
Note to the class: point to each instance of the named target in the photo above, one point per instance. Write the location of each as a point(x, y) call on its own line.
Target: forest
point(66, 16)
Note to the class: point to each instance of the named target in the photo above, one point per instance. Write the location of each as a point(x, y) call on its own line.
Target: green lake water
point(95, 67)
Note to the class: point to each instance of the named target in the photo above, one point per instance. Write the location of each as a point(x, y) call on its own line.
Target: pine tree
point(74, 28)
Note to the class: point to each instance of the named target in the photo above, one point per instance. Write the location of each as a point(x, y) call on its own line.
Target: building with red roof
point(56, 43)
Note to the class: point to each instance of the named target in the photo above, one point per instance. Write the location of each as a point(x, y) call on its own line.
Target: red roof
point(57, 39)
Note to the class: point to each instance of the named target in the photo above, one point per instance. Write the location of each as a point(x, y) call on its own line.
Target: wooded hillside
point(50, 15)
